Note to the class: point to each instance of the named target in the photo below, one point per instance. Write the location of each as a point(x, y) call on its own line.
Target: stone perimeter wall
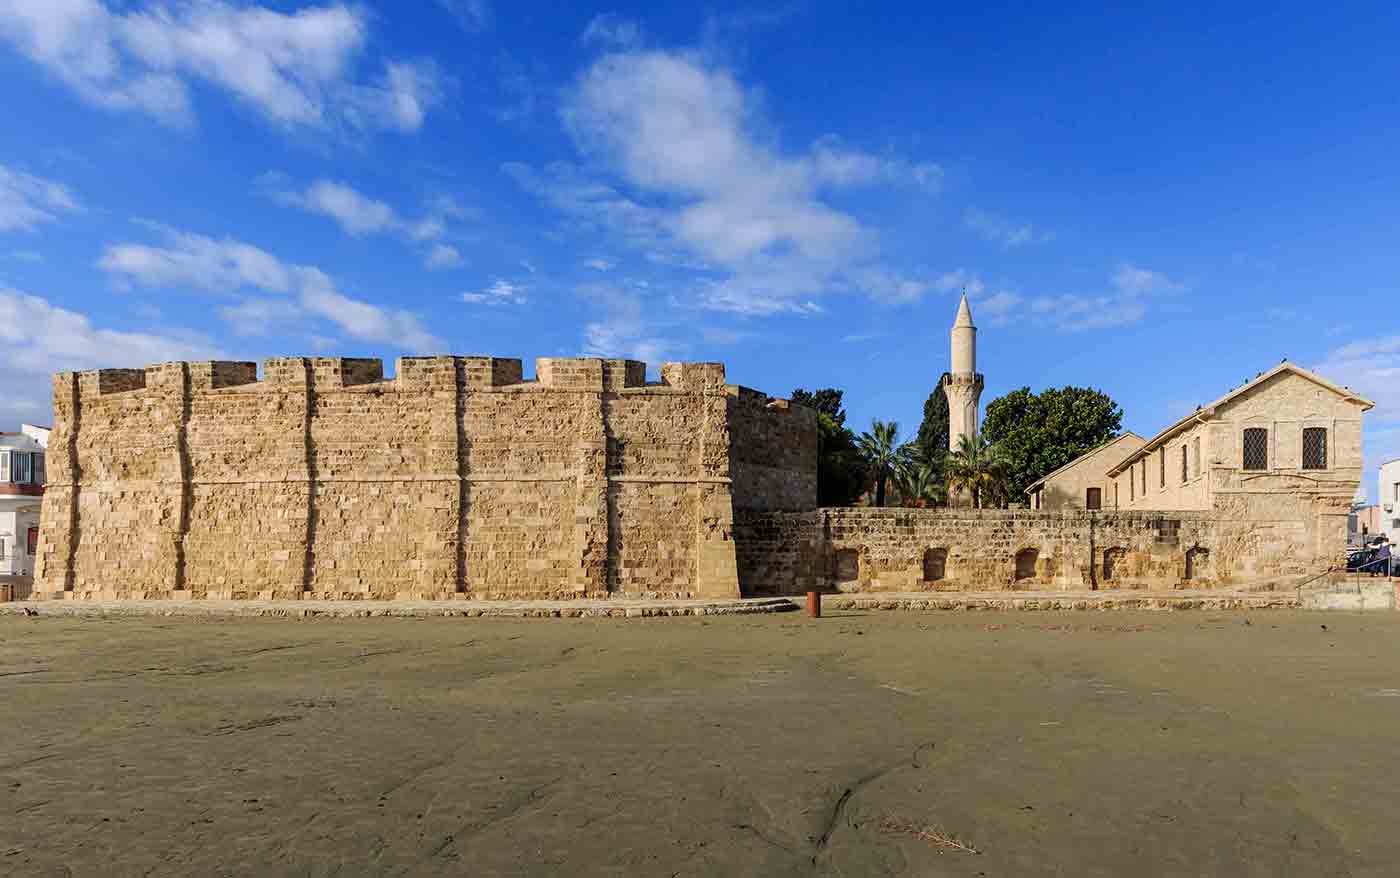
point(906, 550)
point(456, 478)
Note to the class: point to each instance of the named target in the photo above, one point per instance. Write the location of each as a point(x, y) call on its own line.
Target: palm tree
point(977, 466)
point(880, 448)
point(919, 483)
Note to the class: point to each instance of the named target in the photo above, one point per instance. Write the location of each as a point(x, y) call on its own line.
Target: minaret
point(963, 385)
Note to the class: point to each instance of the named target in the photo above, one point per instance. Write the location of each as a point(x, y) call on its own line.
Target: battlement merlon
point(588, 374)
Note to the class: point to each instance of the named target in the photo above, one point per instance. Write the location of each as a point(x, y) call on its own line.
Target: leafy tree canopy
point(841, 470)
point(826, 400)
point(932, 440)
point(1036, 434)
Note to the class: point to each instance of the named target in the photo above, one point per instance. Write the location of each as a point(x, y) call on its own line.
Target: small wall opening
point(935, 564)
point(1025, 564)
point(1198, 563)
point(1093, 498)
point(1113, 562)
point(845, 568)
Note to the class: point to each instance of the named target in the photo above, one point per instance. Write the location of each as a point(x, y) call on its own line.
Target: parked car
point(1363, 561)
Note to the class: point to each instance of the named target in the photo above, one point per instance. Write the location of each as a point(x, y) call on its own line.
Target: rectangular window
point(33, 540)
point(1256, 449)
point(23, 468)
point(1315, 448)
point(1183, 464)
point(1132, 491)
point(1162, 464)
point(1115, 493)
point(1196, 453)
point(1093, 498)
point(1144, 477)
point(40, 472)
point(4, 466)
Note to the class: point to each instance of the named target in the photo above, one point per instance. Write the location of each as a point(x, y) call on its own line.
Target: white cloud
point(612, 31)
point(358, 215)
point(27, 200)
point(623, 329)
point(1003, 231)
point(227, 266)
point(472, 15)
point(1132, 290)
point(40, 338)
point(297, 69)
point(258, 316)
point(443, 256)
point(501, 292)
point(1372, 369)
point(598, 264)
point(705, 184)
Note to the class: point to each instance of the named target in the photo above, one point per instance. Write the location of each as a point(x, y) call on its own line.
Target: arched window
point(1315, 448)
point(1198, 563)
point(1093, 498)
point(1025, 564)
point(1256, 449)
point(935, 564)
point(1113, 562)
point(847, 566)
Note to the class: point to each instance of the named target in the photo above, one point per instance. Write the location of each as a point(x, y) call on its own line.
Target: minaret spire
point(963, 384)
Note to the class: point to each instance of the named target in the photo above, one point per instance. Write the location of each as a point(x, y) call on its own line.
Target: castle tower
point(963, 384)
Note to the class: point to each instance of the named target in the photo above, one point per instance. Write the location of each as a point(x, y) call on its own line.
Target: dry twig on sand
point(925, 833)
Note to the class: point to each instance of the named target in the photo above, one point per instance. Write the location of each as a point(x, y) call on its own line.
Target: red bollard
point(814, 604)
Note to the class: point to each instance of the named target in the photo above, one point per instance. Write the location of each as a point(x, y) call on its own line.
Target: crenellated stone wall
point(904, 550)
point(455, 478)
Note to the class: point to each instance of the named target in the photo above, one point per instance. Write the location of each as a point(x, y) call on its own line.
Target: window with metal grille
point(1093, 498)
point(1315, 448)
point(1183, 464)
point(1256, 448)
point(1162, 463)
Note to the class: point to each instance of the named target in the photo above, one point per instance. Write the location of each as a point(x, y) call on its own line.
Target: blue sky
point(1160, 205)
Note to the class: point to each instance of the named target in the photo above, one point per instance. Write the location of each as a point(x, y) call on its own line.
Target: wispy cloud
point(473, 15)
point(27, 200)
point(612, 31)
point(501, 292)
point(41, 338)
point(296, 69)
point(1003, 231)
point(1132, 290)
point(358, 215)
point(226, 266)
point(694, 179)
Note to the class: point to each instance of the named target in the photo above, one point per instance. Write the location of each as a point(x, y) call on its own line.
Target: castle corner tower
point(963, 384)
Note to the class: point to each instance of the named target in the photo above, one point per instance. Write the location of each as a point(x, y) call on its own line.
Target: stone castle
point(457, 478)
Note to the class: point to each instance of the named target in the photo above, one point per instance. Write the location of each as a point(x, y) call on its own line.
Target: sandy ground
point(1054, 744)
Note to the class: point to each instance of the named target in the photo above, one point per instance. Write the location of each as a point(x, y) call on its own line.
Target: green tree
point(880, 447)
point(918, 483)
point(1037, 434)
point(826, 400)
point(932, 437)
point(978, 467)
point(841, 474)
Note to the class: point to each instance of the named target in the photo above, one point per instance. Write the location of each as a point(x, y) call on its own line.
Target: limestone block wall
point(870, 549)
point(455, 478)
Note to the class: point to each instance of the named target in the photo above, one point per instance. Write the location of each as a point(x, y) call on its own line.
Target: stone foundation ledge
point(613, 608)
point(1000, 601)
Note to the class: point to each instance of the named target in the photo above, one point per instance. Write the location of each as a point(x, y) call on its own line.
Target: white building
point(22, 474)
point(1388, 498)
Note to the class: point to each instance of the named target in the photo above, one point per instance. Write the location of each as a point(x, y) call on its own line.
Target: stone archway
point(1197, 563)
point(1113, 559)
point(1025, 564)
